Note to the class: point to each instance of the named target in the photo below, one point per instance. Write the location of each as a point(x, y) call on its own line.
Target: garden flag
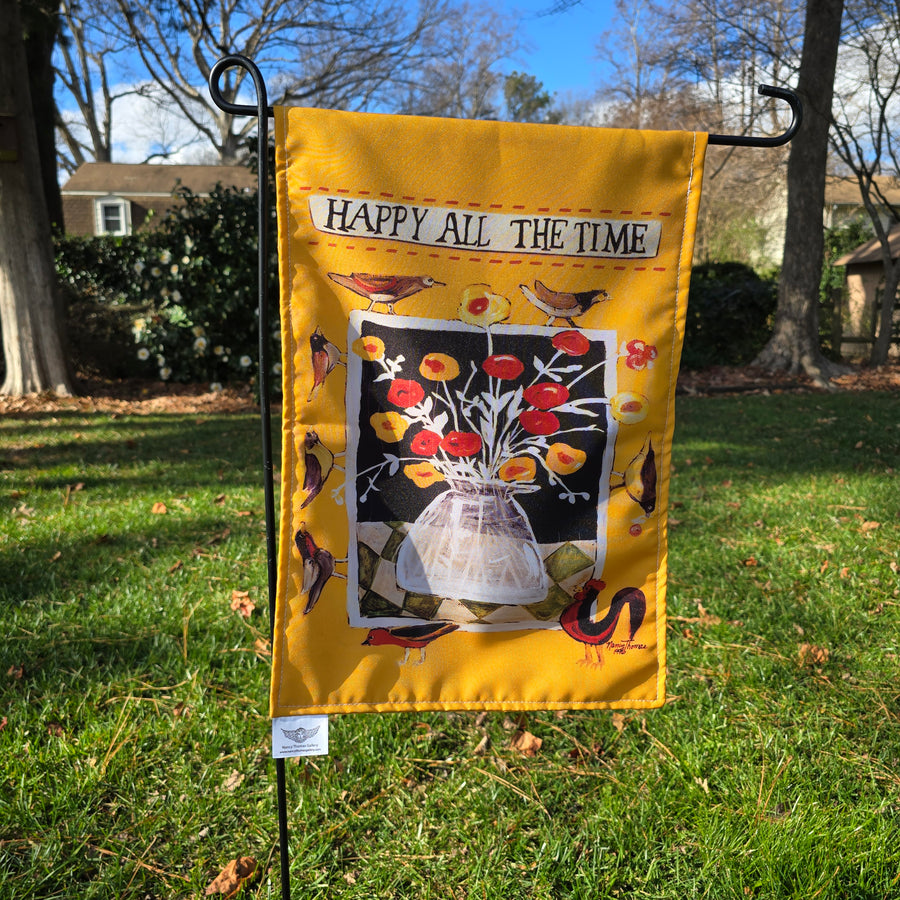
point(481, 330)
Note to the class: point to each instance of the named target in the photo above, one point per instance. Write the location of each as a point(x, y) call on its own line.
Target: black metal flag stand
point(262, 111)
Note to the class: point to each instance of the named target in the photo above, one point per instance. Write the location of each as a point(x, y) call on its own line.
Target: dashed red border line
point(620, 266)
point(475, 204)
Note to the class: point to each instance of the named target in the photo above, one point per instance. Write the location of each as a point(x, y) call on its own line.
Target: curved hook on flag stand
point(261, 112)
point(740, 140)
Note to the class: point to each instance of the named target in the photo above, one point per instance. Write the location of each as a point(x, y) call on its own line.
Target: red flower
point(404, 393)
point(546, 394)
point(536, 421)
point(640, 355)
point(461, 443)
point(425, 443)
point(572, 343)
point(503, 366)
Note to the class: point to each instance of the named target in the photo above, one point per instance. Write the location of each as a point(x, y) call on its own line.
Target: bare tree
point(335, 53)
point(88, 50)
point(462, 77)
point(866, 134)
point(794, 345)
point(32, 346)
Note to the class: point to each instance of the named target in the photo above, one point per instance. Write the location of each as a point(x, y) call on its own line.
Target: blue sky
point(563, 51)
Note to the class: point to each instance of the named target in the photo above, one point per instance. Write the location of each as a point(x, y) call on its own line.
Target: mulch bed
point(140, 397)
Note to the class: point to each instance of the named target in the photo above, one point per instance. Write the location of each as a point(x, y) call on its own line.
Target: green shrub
point(729, 315)
point(188, 290)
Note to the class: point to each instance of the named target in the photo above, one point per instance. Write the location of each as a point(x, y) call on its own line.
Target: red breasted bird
point(561, 304)
point(577, 620)
point(318, 461)
point(325, 356)
point(410, 636)
point(384, 288)
point(318, 566)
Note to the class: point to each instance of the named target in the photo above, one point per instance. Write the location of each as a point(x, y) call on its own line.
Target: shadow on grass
point(183, 444)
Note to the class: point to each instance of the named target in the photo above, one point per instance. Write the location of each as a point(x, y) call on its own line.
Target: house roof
point(100, 179)
point(870, 251)
point(841, 191)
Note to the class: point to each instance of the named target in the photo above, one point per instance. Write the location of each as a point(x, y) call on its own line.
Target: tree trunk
point(794, 345)
point(42, 27)
point(882, 345)
point(31, 341)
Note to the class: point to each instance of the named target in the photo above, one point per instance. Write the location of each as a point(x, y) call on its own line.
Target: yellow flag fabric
point(481, 331)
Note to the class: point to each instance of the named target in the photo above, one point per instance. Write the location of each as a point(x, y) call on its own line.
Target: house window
point(113, 215)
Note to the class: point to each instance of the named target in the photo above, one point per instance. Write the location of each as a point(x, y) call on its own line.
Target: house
point(843, 201)
point(117, 198)
point(865, 276)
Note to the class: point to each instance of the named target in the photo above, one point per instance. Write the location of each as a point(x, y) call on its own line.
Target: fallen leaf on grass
point(178, 564)
point(482, 746)
point(23, 512)
point(526, 743)
point(262, 647)
point(811, 655)
point(16, 671)
point(54, 729)
point(703, 783)
point(233, 877)
point(242, 604)
point(618, 721)
point(866, 527)
point(233, 781)
point(3, 722)
point(159, 508)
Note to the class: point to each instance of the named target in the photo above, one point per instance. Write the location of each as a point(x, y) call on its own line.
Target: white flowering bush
point(188, 289)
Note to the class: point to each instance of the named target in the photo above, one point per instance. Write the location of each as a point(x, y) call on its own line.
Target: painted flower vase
point(474, 542)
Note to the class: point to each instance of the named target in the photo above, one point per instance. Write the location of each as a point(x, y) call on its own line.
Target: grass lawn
point(134, 737)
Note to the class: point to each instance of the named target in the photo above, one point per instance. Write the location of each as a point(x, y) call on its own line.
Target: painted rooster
point(577, 620)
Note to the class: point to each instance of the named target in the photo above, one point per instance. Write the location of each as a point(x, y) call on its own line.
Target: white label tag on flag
point(299, 736)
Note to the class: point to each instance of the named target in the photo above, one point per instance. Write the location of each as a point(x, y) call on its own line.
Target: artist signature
point(621, 647)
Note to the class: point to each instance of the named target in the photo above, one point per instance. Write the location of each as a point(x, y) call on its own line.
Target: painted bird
point(325, 356)
point(300, 735)
point(563, 305)
point(577, 620)
point(384, 288)
point(318, 462)
point(639, 478)
point(410, 636)
point(318, 567)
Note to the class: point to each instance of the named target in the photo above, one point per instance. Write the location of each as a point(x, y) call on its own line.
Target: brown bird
point(318, 462)
point(563, 305)
point(410, 636)
point(325, 356)
point(318, 567)
point(384, 288)
point(577, 621)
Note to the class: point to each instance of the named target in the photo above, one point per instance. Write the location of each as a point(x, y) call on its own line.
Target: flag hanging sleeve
point(481, 331)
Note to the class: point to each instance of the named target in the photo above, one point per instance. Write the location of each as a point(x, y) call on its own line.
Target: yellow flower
point(369, 347)
point(479, 306)
point(438, 367)
point(629, 407)
point(521, 468)
point(389, 426)
point(563, 459)
point(422, 474)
